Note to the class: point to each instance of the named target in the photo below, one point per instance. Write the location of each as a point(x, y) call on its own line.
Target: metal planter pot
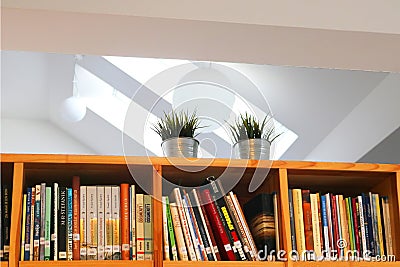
point(252, 149)
point(180, 147)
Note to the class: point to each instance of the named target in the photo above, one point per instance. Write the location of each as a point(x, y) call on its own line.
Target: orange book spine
point(308, 230)
point(125, 222)
point(76, 243)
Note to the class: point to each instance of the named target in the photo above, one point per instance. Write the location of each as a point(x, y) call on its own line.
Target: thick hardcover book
point(76, 243)
point(108, 221)
point(171, 232)
point(54, 223)
point(224, 244)
point(36, 237)
point(192, 228)
point(47, 231)
point(380, 228)
point(388, 226)
point(325, 228)
point(23, 228)
point(83, 220)
point(165, 229)
point(178, 231)
point(42, 219)
point(184, 223)
point(315, 226)
point(298, 221)
point(116, 218)
point(31, 243)
point(69, 224)
point(148, 227)
point(292, 226)
point(28, 224)
point(125, 248)
point(132, 208)
point(100, 223)
point(307, 217)
point(139, 227)
point(91, 223)
point(62, 224)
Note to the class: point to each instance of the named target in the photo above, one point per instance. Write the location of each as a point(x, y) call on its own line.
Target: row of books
point(208, 225)
point(329, 226)
point(86, 223)
point(5, 221)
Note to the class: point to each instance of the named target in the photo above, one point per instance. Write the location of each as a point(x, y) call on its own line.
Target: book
point(364, 241)
point(315, 226)
point(83, 222)
point(148, 227)
point(192, 229)
point(325, 227)
point(307, 217)
point(47, 225)
point(344, 226)
point(298, 221)
point(125, 247)
point(374, 223)
point(116, 217)
point(379, 223)
point(31, 243)
point(101, 239)
point(69, 224)
point(139, 227)
point(91, 223)
point(178, 231)
point(171, 232)
point(36, 237)
point(276, 219)
point(54, 223)
point(27, 242)
point(165, 228)
point(108, 231)
point(62, 223)
point(23, 228)
point(332, 248)
point(1, 222)
point(42, 220)
point(335, 224)
point(292, 226)
point(356, 224)
point(388, 225)
point(76, 243)
point(133, 222)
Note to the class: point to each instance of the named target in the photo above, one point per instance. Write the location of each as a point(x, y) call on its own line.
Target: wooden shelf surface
point(4, 263)
point(344, 264)
point(222, 263)
point(107, 263)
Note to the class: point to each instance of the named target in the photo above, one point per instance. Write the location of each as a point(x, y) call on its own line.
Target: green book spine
point(172, 242)
point(148, 227)
point(351, 224)
point(47, 226)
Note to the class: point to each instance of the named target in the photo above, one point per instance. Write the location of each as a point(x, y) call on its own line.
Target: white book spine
point(133, 222)
point(330, 225)
point(362, 223)
point(192, 230)
point(116, 217)
point(139, 227)
point(108, 223)
point(91, 223)
point(165, 228)
point(100, 223)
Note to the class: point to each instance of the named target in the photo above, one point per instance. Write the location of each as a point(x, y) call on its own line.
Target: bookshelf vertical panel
point(284, 211)
point(157, 217)
point(16, 215)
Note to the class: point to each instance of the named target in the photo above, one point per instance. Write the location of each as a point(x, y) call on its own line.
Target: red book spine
point(221, 236)
point(210, 232)
point(76, 243)
point(307, 217)
point(335, 223)
point(124, 221)
point(356, 223)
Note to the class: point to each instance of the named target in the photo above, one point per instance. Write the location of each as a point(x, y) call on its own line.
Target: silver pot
point(180, 147)
point(252, 149)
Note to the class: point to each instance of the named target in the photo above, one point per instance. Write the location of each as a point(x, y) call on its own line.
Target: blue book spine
point(69, 223)
point(28, 223)
point(368, 224)
point(292, 227)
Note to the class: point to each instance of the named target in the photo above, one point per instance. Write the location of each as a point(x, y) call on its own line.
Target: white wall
point(37, 136)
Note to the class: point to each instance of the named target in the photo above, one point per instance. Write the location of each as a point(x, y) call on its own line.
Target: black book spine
point(62, 224)
point(6, 221)
point(1, 223)
point(370, 226)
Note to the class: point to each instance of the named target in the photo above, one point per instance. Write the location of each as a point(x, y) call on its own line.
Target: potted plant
point(253, 138)
point(178, 131)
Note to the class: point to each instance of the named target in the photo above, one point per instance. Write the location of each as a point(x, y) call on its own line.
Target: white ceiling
point(311, 102)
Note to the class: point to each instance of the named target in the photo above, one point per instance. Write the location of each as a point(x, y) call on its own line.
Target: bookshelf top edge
point(216, 162)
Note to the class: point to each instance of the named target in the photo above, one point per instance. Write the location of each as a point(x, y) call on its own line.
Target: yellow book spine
point(380, 232)
point(298, 222)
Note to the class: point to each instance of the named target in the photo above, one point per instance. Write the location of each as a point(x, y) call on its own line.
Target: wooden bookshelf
point(351, 178)
point(4, 264)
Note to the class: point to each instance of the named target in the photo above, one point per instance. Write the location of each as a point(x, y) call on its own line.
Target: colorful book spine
point(76, 243)
point(192, 229)
point(388, 225)
point(165, 229)
point(91, 224)
point(54, 223)
point(369, 226)
point(133, 222)
point(31, 243)
point(178, 231)
point(315, 226)
point(116, 217)
point(62, 224)
point(109, 223)
point(374, 223)
point(27, 247)
point(379, 223)
point(298, 221)
point(23, 228)
point(36, 237)
point(356, 220)
point(363, 224)
point(139, 227)
point(100, 223)
point(148, 227)
point(125, 247)
point(47, 233)
point(325, 227)
point(171, 232)
point(307, 217)
point(330, 223)
point(292, 225)
point(42, 220)
point(83, 221)
point(69, 224)
point(1, 224)
point(335, 224)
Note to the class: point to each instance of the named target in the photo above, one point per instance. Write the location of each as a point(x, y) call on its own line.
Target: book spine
point(62, 224)
point(356, 225)
point(325, 224)
point(23, 228)
point(28, 224)
point(91, 223)
point(219, 230)
point(292, 225)
point(344, 225)
point(276, 219)
point(307, 217)
point(374, 221)
point(116, 210)
point(335, 223)
point(47, 234)
point(148, 227)
point(369, 226)
point(139, 227)
point(298, 219)
point(1, 223)
point(171, 235)
point(69, 224)
point(379, 222)
point(184, 224)
point(388, 226)
point(42, 219)
point(182, 251)
point(54, 223)
point(31, 243)
point(125, 248)
point(133, 222)
point(83, 221)
point(330, 224)
point(362, 224)
point(100, 223)
point(315, 226)
point(165, 229)
point(350, 224)
point(76, 239)
point(36, 237)
point(321, 234)
point(109, 223)
point(192, 230)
